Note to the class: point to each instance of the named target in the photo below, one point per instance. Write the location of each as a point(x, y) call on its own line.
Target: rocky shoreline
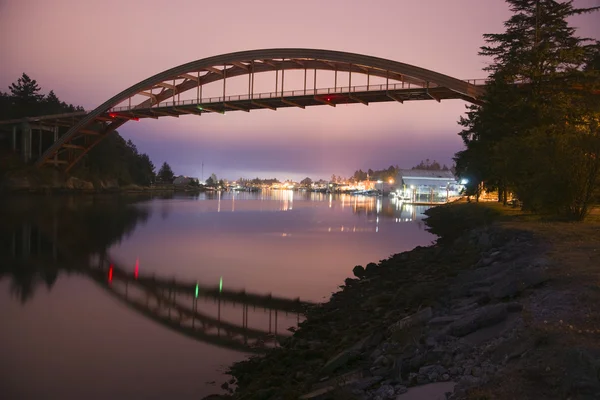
point(446, 321)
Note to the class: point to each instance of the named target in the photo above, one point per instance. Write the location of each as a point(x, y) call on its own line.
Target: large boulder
point(480, 318)
point(420, 317)
point(78, 184)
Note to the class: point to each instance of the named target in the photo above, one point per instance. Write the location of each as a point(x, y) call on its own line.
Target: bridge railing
point(477, 82)
point(292, 93)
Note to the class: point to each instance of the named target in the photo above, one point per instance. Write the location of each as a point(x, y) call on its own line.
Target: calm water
point(98, 296)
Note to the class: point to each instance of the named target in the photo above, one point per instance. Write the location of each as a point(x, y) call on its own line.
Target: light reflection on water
point(153, 341)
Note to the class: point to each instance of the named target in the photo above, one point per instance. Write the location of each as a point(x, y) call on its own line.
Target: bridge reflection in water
point(182, 307)
point(32, 250)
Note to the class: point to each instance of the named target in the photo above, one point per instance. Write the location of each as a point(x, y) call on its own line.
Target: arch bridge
point(186, 89)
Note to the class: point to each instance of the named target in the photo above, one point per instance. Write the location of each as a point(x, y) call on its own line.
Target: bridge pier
point(23, 141)
point(14, 139)
point(26, 141)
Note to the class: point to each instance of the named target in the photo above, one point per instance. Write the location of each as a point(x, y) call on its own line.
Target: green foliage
point(115, 158)
point(25, 100)
point(306, 182)
point(384, 174)
point(450, 221)
point(431, 166)
point(212, 181)
point(112, 158)
point(165, 173)
point(536, 133)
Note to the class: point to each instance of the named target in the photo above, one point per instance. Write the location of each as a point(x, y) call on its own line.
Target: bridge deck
point(215, 292)
point(270, 100)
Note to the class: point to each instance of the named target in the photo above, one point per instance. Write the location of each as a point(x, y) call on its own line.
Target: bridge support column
point(55, 139)
point(26, 141)
point(14, 138)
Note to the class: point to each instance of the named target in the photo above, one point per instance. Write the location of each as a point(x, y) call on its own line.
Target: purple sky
point(87, 51)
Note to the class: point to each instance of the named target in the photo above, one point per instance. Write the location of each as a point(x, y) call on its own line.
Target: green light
point(221, 284)
point(196, 289)
point(200, 108)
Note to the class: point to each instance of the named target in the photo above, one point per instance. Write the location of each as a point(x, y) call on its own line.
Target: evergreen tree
point(26, 98)
point(526, 136)
point(306, 182)
point(165, 173)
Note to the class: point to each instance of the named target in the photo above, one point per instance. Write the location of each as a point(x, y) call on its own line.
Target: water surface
point(97, 294)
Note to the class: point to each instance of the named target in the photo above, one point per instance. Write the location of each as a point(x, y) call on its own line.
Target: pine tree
point(165, 173)
point(25, 96)
point(524, 136)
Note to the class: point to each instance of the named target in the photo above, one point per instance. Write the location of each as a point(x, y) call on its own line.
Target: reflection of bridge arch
point(408, 82)
point(26, 248)
point(158, 303)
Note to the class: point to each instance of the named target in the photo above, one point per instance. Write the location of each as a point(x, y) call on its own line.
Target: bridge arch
point(92, 127)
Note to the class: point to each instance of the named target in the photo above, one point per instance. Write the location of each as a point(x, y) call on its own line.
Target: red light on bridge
point(110, 273)
point(135, 119)
point(137, 268)
point(112, 115)
point(329, 99)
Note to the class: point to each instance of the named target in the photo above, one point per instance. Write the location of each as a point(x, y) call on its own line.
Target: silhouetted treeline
point(113, 158)
point(375, 175)
point(42, 237)
point(431, 166)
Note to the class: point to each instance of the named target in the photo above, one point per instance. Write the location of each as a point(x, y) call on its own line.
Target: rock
point(366, 383)
point(110, 184)
point(375, 354)
point(513, 284)
point(420, 317)
point(443, 320)
point(417, 362)
point(340, 360)
point(78, 184)
point(400, 389)
point(465, 309)
point(433, 372)
point(534, 276)
point(422, 379)
point(370, 268)
point(476, 372)
point(514, 307)
point(430, 342)
point(469, 380)
point(373, 340)
point(385, 392)
point(358, 271)
point(483, 239)
point(480, 318)
point(381, 360)
point(380, 371)
point(225, 386)
point(445, 377)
